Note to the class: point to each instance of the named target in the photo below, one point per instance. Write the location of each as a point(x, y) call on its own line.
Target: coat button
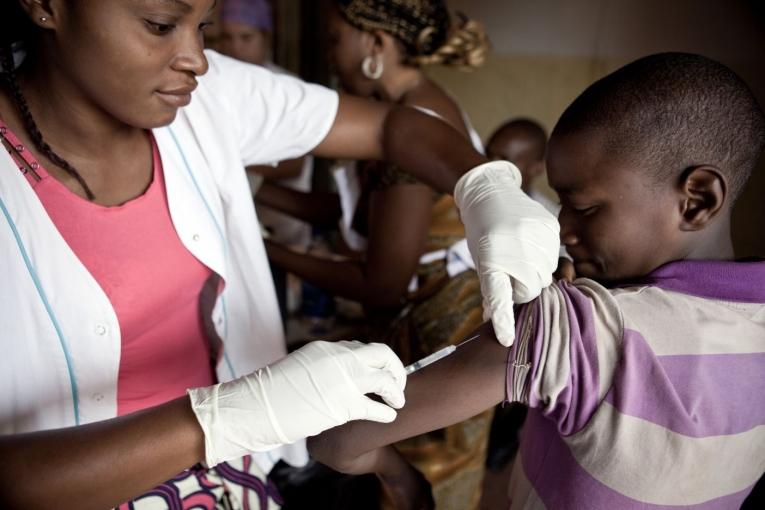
point(100, 330)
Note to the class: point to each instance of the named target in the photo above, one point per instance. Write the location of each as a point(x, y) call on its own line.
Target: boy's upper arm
point(567, 345)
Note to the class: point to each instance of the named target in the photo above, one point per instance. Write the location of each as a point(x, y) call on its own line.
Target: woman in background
point(403, 231)
point(245, 32)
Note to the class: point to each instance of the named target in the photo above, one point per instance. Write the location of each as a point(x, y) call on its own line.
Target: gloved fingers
point(484, 178)
point(382, 383)
point(382, 357)
point(528, 287)
point(497, 291)
point(375, 411)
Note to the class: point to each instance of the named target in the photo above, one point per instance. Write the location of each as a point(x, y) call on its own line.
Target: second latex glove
point(514, 241)
point(320, 386)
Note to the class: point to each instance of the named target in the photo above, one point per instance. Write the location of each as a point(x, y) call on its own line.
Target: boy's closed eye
point(579, 207)
point(585, 210)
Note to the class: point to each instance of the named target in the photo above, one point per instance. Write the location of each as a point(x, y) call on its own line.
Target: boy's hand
point(565, 271)
point(408, 489)
point(514, 241)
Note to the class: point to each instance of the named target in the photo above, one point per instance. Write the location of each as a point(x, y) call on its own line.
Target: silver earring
point(366, 67)
point(43, 19)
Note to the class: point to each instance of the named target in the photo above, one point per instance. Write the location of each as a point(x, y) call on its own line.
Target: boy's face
point(616, 222)
point(521, 151)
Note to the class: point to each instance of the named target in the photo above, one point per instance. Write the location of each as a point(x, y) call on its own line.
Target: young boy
point(645, 377)
point(523, 141)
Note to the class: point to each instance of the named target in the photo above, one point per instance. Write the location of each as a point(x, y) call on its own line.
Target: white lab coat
point(59, 334)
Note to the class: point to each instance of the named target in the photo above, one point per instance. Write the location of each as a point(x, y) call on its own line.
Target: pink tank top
point(151, 279)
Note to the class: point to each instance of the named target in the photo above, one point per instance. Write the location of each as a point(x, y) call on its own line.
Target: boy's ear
point(703, 192)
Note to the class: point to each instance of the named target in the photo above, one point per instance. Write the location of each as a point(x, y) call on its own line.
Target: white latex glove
point(514, 241)
point(317, 387)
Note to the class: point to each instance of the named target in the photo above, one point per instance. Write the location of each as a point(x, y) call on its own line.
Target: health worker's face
point(136, 60)
point(616, 222)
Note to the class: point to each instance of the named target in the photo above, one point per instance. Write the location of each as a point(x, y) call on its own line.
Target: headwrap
point(253, 13)
point(422, 26)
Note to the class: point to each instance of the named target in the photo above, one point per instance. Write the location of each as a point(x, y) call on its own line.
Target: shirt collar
point(742, 281)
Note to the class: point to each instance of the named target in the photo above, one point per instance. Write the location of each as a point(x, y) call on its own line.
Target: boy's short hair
point(674, 111)
point(528, 128)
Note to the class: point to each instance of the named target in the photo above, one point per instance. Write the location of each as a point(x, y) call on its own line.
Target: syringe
point(432, 358)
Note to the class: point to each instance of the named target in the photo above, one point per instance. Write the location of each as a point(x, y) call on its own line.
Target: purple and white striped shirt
point(646, 396)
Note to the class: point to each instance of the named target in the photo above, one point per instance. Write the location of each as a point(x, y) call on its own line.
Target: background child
point(649, 392)
point(523, 141)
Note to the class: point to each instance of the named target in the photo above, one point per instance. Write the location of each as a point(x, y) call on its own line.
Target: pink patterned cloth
point(235, 485)
point(151, 279)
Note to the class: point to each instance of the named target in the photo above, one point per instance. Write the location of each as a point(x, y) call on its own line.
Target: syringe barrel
point(429, 359)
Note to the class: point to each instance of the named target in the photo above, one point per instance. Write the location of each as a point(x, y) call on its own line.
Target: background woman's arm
point(317, 208)
point(399, 217)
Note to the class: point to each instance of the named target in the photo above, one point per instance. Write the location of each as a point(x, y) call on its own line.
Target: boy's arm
point(569, 342)
point(467, 382)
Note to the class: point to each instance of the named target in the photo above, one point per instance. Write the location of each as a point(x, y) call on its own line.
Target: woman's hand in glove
point(514, 241)
point(319, 386)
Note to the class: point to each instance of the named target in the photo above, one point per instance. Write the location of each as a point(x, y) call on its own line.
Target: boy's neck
point(714, 242)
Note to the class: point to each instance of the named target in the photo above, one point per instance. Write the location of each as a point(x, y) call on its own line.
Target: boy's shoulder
point(688, 307)
point(738, 285)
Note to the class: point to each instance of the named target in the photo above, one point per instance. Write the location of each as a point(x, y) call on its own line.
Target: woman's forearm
point(99, 465)
point(347, 279)
point(320, 209)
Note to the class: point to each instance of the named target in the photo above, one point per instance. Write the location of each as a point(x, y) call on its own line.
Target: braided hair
point(17, 31)
point(424, 29)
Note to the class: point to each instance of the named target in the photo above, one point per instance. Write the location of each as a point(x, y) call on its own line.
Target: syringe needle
point(468, 340)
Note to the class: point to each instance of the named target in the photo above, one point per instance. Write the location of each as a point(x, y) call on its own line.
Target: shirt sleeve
point(567, 345)
point(274, 116)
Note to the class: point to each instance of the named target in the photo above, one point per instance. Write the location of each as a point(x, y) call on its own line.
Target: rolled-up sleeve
point(567, 345)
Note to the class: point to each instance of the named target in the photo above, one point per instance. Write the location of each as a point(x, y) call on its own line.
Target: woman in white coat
point(132, 268)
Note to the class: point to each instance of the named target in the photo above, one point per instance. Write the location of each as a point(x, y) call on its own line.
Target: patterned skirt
point(233, 485)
